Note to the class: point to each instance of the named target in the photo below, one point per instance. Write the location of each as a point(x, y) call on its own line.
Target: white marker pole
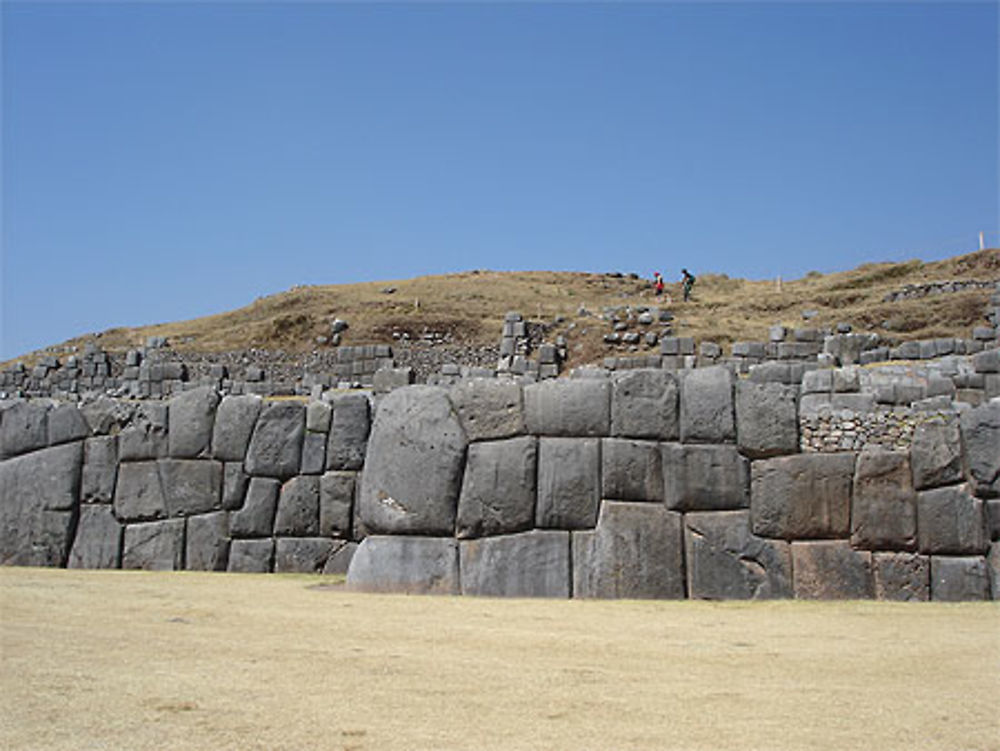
point(982, 246)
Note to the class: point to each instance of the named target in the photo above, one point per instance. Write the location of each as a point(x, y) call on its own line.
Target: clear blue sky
point(165, 161)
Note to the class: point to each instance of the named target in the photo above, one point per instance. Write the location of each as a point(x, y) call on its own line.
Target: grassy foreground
point(129, 660)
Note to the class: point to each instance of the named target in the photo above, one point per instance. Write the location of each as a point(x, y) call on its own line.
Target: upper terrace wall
point(640, 483)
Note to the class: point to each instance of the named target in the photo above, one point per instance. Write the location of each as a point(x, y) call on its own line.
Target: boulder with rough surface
point(498, 487)
point(705, 478)
point(883, 502)
point(529, 564)
point(631, 470)
point(767, 419)
point(276, 445)
point(569, 483)
point(233, 426)
point(489, 408)
point(191, 420)
point(406, 565)
point(802, 496)
point(98, 541)
point(568, 407)
point(154, 546)
point(644, 404)
point(831, 570)
point(349, 432)
point(707, 409)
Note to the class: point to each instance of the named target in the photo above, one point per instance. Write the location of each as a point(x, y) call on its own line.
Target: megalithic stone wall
point(638, 484)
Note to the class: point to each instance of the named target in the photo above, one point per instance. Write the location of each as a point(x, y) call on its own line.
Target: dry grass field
point(128, 660)
point(469, 307)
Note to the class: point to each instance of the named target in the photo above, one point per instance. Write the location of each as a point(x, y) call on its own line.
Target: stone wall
point(638, 483)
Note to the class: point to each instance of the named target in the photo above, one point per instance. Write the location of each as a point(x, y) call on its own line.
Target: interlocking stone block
point(981, 437)
point(529, 564)
point(336, 503)
point(191, 420)
point(569, 483)
point(154, 546)
point(207, 542)
point(498, 488)
point(349, 429)
point(802, 496)
point(298, 508)
point(413, 470)
point(234, 485)
point(726, 562)
point(251, 556)
point(256, 518)
point(950, 521)
point(634, 552)
point(146, 436)
point(644, 404)
point(568, 407)
point(936, 454)
point(66, 423)
point(409, 565)
point(100, 469)
point(301, 555)
point(24, 428)
point(98, 539)
point(883, 502)
point(831, 570)
point(954, 579)
point(341, 555)
point(631, 470)
point(233, 426)
point(313, 454)
point(901, 576)
point(489, 408)
point(707, 412)
point(318, 417)
point(276, 445)
point(767, 419)
point(139, 492)
point(190, 486)
point(705, 478)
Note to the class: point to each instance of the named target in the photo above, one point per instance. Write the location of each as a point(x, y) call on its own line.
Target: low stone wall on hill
point(638, 483)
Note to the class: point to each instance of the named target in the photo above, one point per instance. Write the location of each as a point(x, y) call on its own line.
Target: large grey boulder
point(883, 502)
point(341, 554)
point(301, 555)
point(66, 423)
point(191, 486)
point(726, 562)
point(631, 470)
point(498, 487)
point(318, 416)
point(831, 570)
point(146, 435)
point(313, 453)
point(336, 503)
point(950, 521)
point(936, 454)
point(413, 470)
point(98, 541)
point(981, 436)
point(256, 518)
point(529, 564)
point(959, 578)
point(705, 478)
point(634, 552)
point(251, 556)
point(569, 482)
point(409, 565)
point(234, 485)
point(767, 419)
point(568, 407)
point(207, 542)
point(349, 429)
point(24, 428)
point(191, 419)
point(100, 469)
point(154, 546)
point(707, 410)
point(139, 492)
point(276, 445)
point(902, 576)
point(235, 418)
point(802, 496)
point(489, 408)
point(298, 508)
point(644, 404)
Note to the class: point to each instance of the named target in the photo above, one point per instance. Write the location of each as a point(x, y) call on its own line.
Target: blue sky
point(163, 161)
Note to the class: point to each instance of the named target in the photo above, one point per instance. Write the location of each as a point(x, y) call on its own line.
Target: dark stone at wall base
point(410, 565)
point(340, 557)
point(959, 578)
point(154, 546)
point(498, 487)
point(251, 556)
point(298, 508)
point(98, 540)
point(831, 570)
point(901, 576)
point(256, 518)
point(301, 555)
point(207, 542)
point(529, 564)
point(993, 566)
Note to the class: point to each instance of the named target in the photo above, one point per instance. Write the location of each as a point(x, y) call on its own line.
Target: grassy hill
point(469, 307)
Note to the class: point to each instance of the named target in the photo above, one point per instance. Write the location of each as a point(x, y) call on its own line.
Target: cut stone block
point(767, 419)
point(569, 483)
point(568, 407)
point(951, 522)
point(154, 546)
point(413, 470)
point(336, 503)
point(705, 478)
point(191, 486)
point(139, 493)
point(98, 542)
point(100, 469)
point(802, 496)
point(313, 454)
point(191, 420)
point(408, 565)
point(301, 555)
point(298, 508)
point(340, 557)
point(498, 488)
point(66, 423)
point(251, 556)
point(24, 428)
point(884, 504)
point(958, 579)
point(276, 445)
point(529, 564)
point(233, 426)
point(146, 437)
point(901, 576)
point(318, 416)
point(349, 429)
point(707, 410)
point(207, 543)
point(256, 518)
point(635, 552)
point(993, 565)
point(981, 436)
point(831, 570)
point(644, 404)
point(936, 454)
point(489, 408)
point(234, 485)
point(631, 470)
point(726, 562)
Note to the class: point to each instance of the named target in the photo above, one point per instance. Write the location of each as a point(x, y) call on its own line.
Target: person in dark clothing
point(688, 282)
point(657, 283)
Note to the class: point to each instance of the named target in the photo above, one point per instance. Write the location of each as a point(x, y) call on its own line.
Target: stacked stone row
point(515, 351)
point(204, 483)
point(652, 485)
point(912, 291)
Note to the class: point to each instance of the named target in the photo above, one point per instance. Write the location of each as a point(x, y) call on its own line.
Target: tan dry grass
point(127, 660)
